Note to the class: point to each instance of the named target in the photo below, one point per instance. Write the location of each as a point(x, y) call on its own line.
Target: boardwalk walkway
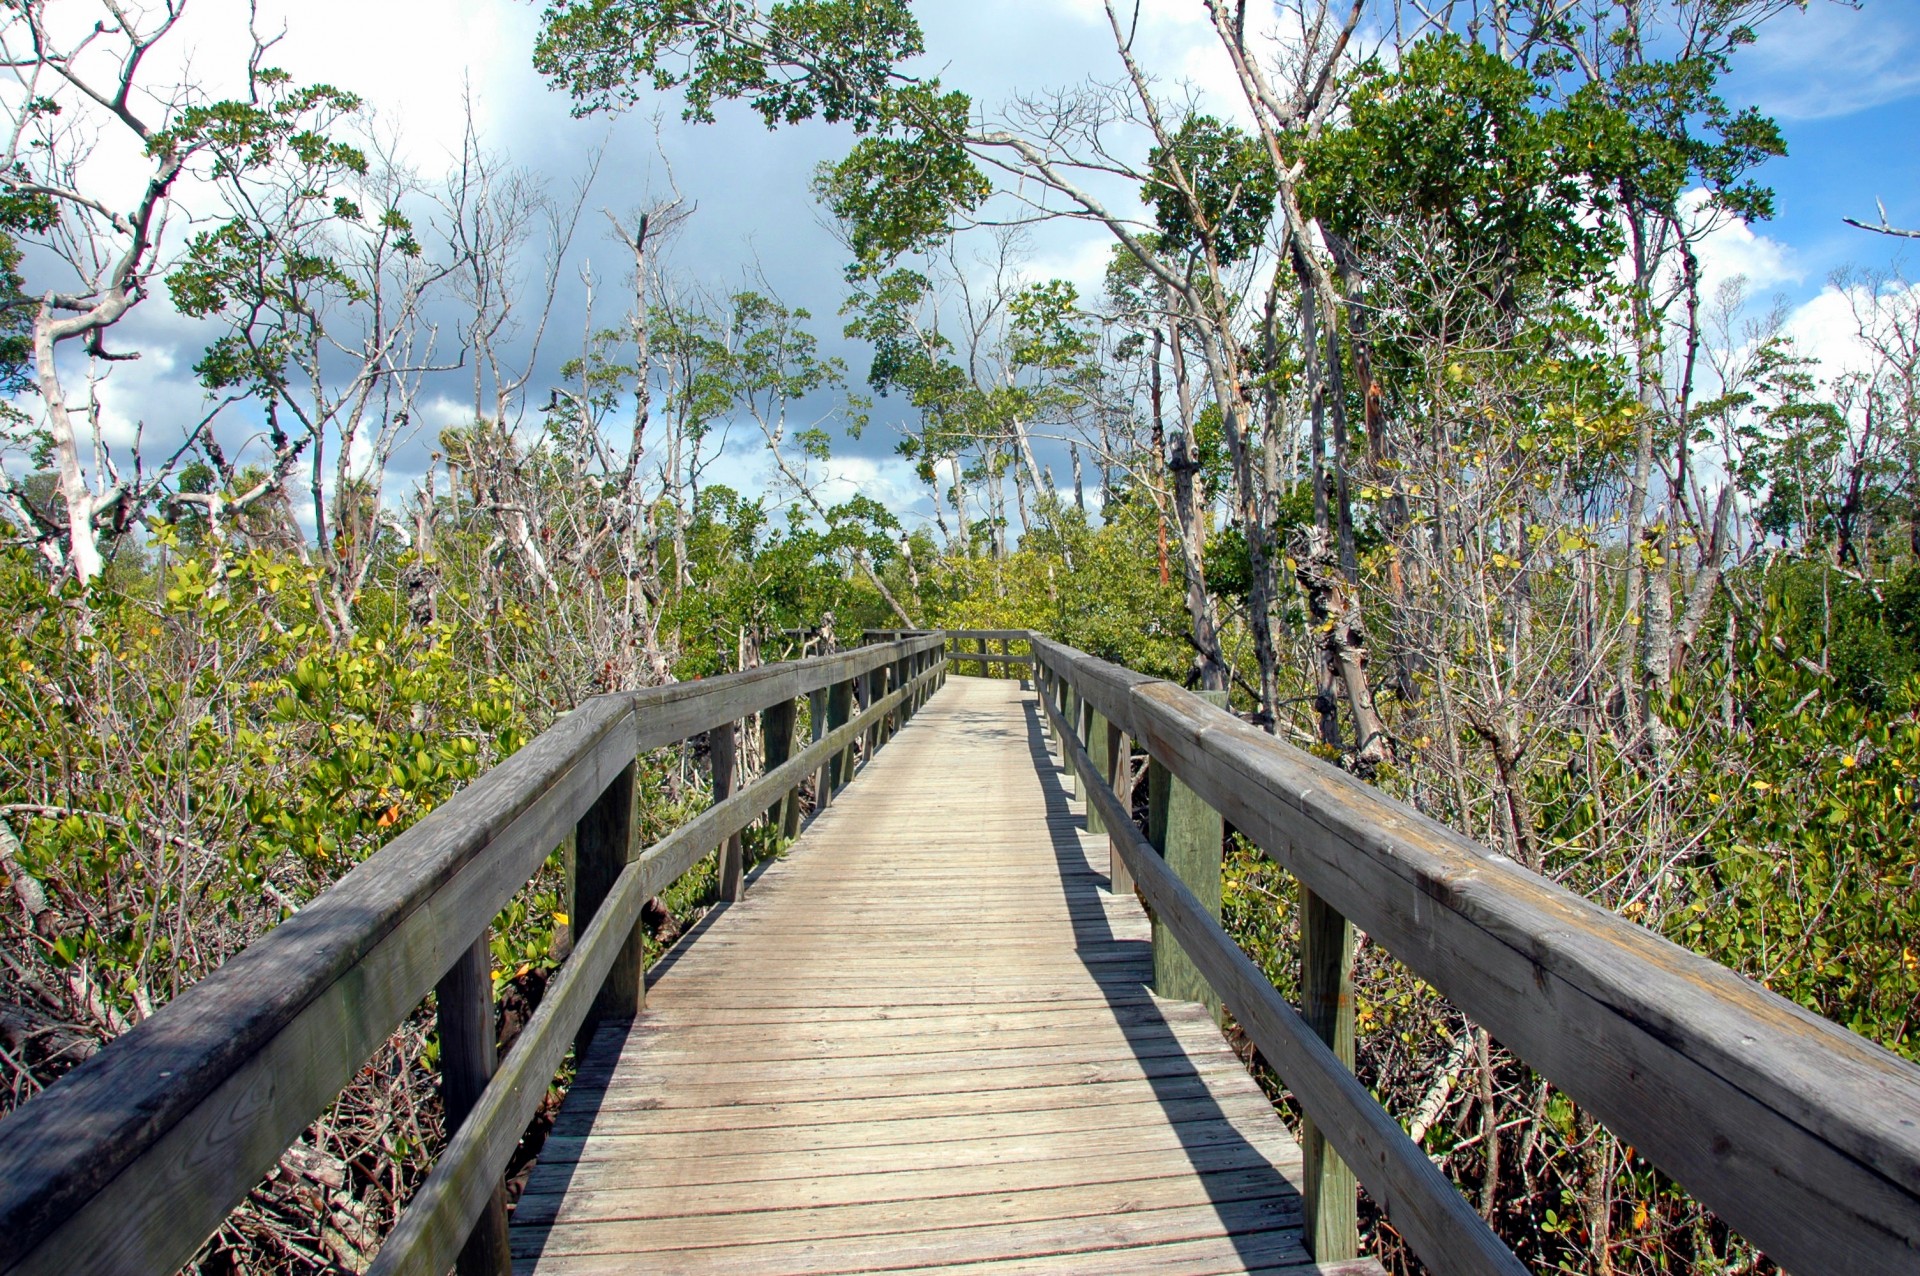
point(924, 1041)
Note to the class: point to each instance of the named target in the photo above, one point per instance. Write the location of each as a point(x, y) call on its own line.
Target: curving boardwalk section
point(922, 1042)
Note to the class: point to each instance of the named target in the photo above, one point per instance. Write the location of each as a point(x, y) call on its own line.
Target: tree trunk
point(83, 556)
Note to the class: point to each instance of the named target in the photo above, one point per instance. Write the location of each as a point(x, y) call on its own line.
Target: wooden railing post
point(1070, 715)
point(464, 998)
point(603, 842)
point(817, 730)
point(1043, 683)
point(721, 753)
point(1187, 832)
point(876, 684)
point(1120, 776)
point(1098, 751)
point(980, 645)
point(1326, 997)
point(839, 713)
point(777, 723)
point(1061, 692)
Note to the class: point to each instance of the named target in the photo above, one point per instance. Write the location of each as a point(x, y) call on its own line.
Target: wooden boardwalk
point(923, 1042)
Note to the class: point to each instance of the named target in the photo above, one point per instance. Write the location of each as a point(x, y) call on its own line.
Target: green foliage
point(790, 62)
point(834, 60)
point(900, 193)
point(1656, 127)
point(1109, 603)
point(1213, 185)
point(1457, 136)
point(210, 745)
point(1786, 887)
point(267, 273)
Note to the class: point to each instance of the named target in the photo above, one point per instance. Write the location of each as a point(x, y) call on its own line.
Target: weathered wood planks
point(1803, 1136)
point(133, 1159)
point(925, 1038)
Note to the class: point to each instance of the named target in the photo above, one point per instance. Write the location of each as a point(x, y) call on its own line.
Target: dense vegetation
point(1409, 424)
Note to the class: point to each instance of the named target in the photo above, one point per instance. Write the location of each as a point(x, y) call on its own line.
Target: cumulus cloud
point(1833, 60)
point(1827, 325)
point(1733, 249)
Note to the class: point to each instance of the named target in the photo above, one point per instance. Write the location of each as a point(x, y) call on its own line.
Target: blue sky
point(1844, 85)
point(1843, 82)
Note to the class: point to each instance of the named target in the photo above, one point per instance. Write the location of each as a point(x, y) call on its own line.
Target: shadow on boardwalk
point(923, 1044)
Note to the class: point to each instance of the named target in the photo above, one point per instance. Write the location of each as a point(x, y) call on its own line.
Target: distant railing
point(130, 1162)
point(977, 648)
point(1801, 1135)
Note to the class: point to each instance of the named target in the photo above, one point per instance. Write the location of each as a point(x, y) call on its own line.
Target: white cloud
point(1081, 261)
point(1734, 249)
point(889, 480)
point(1827, 325)
point(1833, 60)
point(145, 395)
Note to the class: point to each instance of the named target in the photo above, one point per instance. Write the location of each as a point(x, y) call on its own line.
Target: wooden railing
point(989, 653)
point(129, 1163)
point(1801, 1135)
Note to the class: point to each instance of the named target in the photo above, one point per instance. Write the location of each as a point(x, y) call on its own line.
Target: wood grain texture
point(463, 1001)
point(722, 742)
point(1187, 834)
point(134, 1158)
point(1423, 1206)
point(923, 1038)
point(1326, 1002)
point(777, 723)
point(431, 1230)
point(1803, 1136)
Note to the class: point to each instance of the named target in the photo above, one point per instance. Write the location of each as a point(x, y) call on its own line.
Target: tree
point(102, 250)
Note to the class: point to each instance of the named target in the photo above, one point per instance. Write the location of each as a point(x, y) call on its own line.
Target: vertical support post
point(1187, 832)
point(1326, 996)
point(464, 998)
point(1100, 755)
point(839, 713)
point(721, 753)
point(1043, 682)
point(980, 645)
point(603, 842)
point(777, 722)
point(876, 685)
point(1057, 688)
point(1069, 714)
point(817, 730)
point(1120, 776)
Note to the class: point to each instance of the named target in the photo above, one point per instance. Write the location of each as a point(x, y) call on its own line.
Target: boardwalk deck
point(923, 1042)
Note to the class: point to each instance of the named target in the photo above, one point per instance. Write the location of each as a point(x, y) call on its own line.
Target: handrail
point(983, 653)
point(1802, 1135)
point(133, 1159)
point(1424, 1205)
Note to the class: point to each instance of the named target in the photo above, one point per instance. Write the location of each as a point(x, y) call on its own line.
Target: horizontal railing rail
point(1803, 1136)
point(982, 655)
point(131, 1161)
